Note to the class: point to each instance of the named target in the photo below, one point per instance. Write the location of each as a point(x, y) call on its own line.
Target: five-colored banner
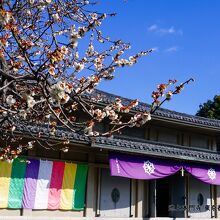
point(42, 184)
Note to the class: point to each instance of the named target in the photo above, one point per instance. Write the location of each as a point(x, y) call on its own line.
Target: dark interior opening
point(162, 200)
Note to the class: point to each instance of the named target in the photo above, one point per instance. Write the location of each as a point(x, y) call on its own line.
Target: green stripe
point(80, 187)
point(17, 183)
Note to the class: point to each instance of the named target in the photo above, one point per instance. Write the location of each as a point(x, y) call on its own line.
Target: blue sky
point(186, 35)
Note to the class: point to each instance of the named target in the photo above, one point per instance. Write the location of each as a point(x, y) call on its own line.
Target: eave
point(144, 147)
point(162, 114)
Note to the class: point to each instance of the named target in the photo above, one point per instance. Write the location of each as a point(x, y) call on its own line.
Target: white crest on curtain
point(148, 167)
point(211, 173)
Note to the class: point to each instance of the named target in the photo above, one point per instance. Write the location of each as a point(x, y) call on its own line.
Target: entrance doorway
point(167, 197)
point(162, 199)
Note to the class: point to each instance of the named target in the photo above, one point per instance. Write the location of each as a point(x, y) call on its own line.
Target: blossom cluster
point(53, 55)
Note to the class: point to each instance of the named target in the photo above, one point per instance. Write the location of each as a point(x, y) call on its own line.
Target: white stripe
point(43, 184)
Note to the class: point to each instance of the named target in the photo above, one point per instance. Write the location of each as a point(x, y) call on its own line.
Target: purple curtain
point(206, 173)
point(137, 167)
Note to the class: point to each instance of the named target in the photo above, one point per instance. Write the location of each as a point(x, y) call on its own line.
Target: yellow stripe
point(67, 186)
point(5, 176)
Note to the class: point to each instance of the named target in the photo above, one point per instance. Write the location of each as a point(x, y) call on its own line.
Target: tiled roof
point(159, 150)
point(144, 147)
point(108, 98)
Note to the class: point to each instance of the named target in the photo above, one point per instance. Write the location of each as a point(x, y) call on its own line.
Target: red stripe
point(56, 185)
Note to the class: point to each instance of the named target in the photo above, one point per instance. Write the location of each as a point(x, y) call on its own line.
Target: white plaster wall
point(196, 187)
point(107, 207)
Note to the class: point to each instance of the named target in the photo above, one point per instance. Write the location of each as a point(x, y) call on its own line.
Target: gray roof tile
point(108, 98)
point(144, 147)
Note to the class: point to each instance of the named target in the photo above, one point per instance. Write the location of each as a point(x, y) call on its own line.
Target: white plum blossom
point(88, 131)
point(30, 144)
point(140, 119)
point(76, 55)
point(64, 50)
point(117, 105)
point(107, 110)
point(79, 66)
point(31, 1)
point(51, 70)
point(74, 36)
point(98, 63)
point(28, 12)
point(90, 51)
point(169, 95)
point(30, 101)
point(98, 114)
point(56, 17)
point(23, 114)
point(132, 60)
point(123, 62)
point(59, 92)
point(65, 99)
point(74, 44)
point(4, 113)
point(112, 115)
point(10, 100)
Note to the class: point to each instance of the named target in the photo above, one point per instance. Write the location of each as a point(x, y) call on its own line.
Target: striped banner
point(40, 184)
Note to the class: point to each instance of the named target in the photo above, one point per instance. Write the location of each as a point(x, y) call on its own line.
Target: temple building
point(169, 168)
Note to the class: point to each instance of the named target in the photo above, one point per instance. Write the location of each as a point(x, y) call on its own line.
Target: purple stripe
point(30, 184)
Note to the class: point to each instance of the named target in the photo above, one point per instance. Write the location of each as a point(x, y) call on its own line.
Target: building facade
point(170, 136)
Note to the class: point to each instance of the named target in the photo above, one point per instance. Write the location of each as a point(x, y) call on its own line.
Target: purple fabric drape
point(140, 167)
point(206, 173)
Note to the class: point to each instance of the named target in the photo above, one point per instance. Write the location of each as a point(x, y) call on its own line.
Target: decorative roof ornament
point(212, 174)
point(148, 167)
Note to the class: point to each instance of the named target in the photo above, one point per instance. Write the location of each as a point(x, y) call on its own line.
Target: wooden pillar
point(217, 201)
point(91, 192)
point(214, 145)
point(147, 133)
point(213, 201)
point(98, 188)
point(133, 198)
point(153, 134)
point(140, 198)
point(185, 139)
